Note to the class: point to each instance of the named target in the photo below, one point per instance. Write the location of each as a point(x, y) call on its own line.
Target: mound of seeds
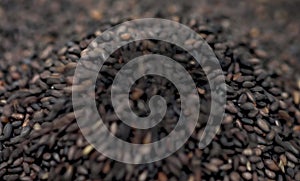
point(259, 138)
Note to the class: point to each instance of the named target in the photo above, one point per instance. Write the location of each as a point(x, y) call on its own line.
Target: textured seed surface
point(7, 130)
point(247, 106)
point(41, 44)
point(263, 125)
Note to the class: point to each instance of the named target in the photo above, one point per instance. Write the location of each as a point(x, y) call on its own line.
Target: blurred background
point(29, 25)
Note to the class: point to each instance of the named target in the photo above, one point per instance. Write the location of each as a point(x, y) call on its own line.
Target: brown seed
point(261, 53)
point(271, 165)
point(82, 170)
point(236, 76)
point(234, 176)
point(69, 173)
point(251, 97)
point(247, 175)
point(257, 151)
point(26, 121)
point(283, 159)
point(174, 161)
point(274, 106)
point(296, 97)
point(71, 152)
point(231, 108)
point(17, 116)
point(125, 36)
point(228, 119)
point(270, 174)
point(136, 94)
point(297, 176)
point(96, 15)
point(247, 151)
point(282, 105)
point(106, 167)
point(254, 61)
point(296, 128)
point(147, 138)
point(284, 115)
point(263, 125)
point(201, 91)
point(271, 135)
point(254, 159)
point(211, 167)
point(275, 91)
point(248, 106)
point(18, 161)
point(264, 111)
point(291, 157)
point(4, 119)
point(46, 156)
point(35, 167)
point(162, 176)
point(248, 84)
point(242, 99)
